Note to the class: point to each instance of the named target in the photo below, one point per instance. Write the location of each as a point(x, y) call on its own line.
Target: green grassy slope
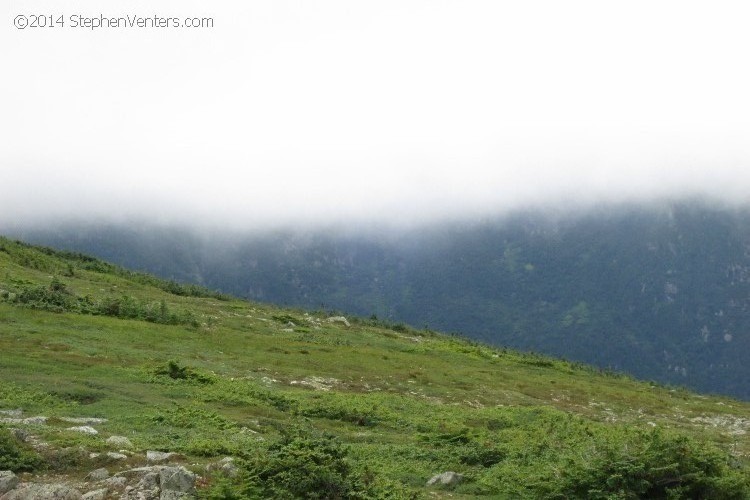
point(181, 369)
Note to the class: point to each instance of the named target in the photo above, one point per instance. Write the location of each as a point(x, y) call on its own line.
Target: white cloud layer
point(390, 110)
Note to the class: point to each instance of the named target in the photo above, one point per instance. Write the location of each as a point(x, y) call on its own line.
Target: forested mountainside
point(659, 291)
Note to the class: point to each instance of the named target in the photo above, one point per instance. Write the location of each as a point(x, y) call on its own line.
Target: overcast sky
point(394, 110)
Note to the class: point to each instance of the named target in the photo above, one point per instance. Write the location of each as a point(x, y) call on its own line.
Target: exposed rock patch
point(39, 491)
point(448, 478)
point(84, 420)
point(158, 456)
point(84, 429)
point(318, 383)
point(338, 319)
point(734, 426)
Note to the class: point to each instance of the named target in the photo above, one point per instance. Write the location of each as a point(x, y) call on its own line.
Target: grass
point(402, 404)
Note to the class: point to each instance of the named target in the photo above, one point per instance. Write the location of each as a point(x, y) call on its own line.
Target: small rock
point(38, 491)
point(446, 479)
point(85, 429)
point(116, 456)
point(17, 413)
point(225, 465)
point(158, 456)
point(94, 455)
point(100, 494)
point(338, 319)
point(21, 434)
point(121, 441)
point(8, 481)
point(98, 475)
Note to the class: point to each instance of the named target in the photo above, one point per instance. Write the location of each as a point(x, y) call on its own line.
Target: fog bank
point(391, 112)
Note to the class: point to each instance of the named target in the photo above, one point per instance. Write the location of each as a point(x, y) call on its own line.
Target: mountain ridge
point(659, 291)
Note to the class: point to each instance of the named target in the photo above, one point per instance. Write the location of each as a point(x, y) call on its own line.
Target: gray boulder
point(98, 475)
point(8, 481)
point(120, 442)
point(445, 479)
point(177, 480)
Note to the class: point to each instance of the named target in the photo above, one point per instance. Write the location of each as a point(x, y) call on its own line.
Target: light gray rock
point(100, 494)
point(85, 429)
point(8, 481)
point(120, 441)
point(158, 456)
point(38, 491)
point(116, 456)
point(35, 420)
point(98, 475)
point(83, 420)
point(338, 319)
point(445, 479)
point(177, 479)
point(17, 413)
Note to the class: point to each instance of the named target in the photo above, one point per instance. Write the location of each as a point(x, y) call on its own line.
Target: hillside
point(309, 405)
point(659, 291)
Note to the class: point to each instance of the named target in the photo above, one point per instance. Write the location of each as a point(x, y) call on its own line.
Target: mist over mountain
point(660, 291)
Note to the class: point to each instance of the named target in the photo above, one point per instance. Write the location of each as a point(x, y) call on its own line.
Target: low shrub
point(15, 456)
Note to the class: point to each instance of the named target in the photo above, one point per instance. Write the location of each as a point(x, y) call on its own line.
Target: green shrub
point(175, 371)
point(15, 456)
point(572, 459)
point(300, 466)
point(53, 298)
point(653, 464)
